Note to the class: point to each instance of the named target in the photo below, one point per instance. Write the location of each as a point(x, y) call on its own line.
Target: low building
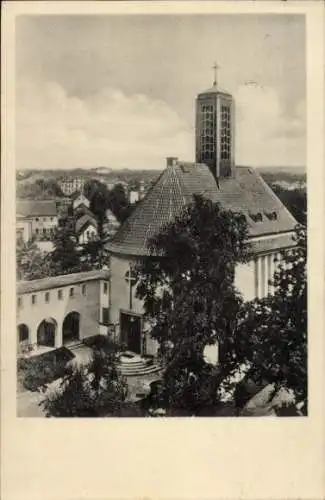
point(45, 246)
point(64, 207)
point(80, 200)
point(61, 310)
point(137, 194)
point(133, 196)
point(23, 227)
point(36, 219)
point(86, 229)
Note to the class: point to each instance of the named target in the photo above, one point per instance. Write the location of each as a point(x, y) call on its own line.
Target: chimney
point(171, 161)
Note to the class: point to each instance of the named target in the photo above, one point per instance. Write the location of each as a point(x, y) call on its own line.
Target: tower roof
point(173, 191)
point(215, 89)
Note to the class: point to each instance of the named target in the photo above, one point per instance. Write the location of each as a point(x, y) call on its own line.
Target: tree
point(190, 299)
point(102, 199)
point(93, 254)
point(39, 189)
point(65, 257)
point(31, 263)
point(118, 203)
point(98, 195)
point(295, 200)
point(92, 390)
point(272, 332)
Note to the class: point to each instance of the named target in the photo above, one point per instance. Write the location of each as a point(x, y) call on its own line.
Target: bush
point(100, 342)
point(72, 399)
point(94, 390)
point(38, 371)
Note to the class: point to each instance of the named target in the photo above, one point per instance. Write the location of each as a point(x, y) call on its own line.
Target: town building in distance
point(36, 219)
point(70, 185)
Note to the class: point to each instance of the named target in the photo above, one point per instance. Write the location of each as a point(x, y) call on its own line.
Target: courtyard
point(28, 400)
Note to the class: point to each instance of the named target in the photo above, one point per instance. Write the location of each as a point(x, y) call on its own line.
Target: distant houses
point(36, 219)
point(290, 186)
point(70, 185)
point(79, 200)
point(86, 229)
point(134, 195)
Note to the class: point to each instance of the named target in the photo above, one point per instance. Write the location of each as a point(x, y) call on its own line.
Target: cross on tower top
point(215, 68)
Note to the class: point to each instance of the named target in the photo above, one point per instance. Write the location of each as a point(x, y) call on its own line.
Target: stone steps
point(138, 368)
point(135, 364)
point(77, 344)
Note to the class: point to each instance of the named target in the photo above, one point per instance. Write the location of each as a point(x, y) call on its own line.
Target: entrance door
point(131, 332)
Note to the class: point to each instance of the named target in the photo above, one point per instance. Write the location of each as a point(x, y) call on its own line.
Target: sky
point(119, 91)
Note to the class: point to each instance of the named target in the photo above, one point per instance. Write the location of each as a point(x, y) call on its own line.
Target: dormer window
point(256, 217)
point(271, 215)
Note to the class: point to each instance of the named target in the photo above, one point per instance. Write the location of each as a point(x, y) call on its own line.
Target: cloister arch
point(46, 332)
point(71, 327)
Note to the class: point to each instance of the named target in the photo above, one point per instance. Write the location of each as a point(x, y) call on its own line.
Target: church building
point(215, 176)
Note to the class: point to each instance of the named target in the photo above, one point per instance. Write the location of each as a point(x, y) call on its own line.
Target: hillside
point(44, 183)
point(287, 175)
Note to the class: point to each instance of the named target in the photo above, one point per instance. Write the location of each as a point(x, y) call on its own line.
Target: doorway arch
point(71, 327)
point(23, 332)
point(46, 332)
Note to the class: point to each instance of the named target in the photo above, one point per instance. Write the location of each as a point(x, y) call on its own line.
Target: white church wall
point(120, 288)
point(253, 279)
point(245, 280)
point(120, 297)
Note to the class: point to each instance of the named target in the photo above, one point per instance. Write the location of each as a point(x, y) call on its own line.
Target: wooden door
point(131, 332)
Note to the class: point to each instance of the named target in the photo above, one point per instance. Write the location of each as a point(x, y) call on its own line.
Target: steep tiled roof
point(246, 192)
point(59, 281)
point(76, 194)
point(85, 211)
point(83, 222)
point(34, 208)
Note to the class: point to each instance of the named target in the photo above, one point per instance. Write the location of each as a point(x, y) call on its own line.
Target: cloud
point(264, 135)
point(109, 128)
point(55, 130)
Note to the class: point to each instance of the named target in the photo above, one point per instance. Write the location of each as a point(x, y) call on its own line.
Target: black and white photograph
point(161, 215)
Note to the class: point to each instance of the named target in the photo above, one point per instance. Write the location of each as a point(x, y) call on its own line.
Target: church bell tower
point(215, 130)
